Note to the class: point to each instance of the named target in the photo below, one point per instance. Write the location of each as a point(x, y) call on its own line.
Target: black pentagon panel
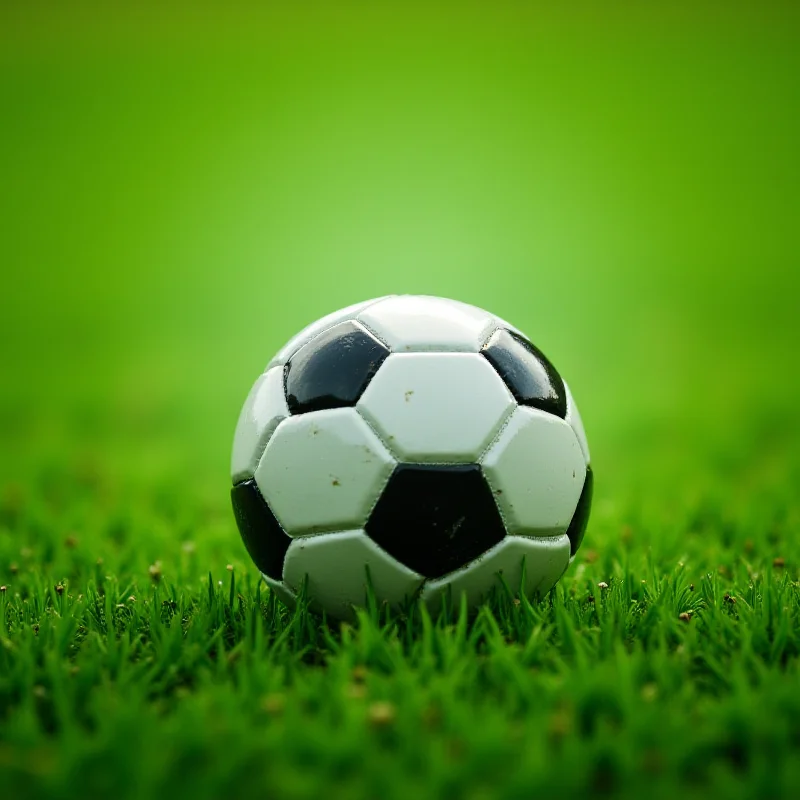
point(581, 516)
point(532, 379)
point(333, 369)
point(262, 534)
point(435, 519)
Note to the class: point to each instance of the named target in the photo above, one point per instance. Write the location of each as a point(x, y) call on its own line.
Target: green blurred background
point(182, 189)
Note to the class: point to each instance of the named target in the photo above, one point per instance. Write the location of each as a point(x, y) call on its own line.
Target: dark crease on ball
point(532, 379)
point(435, 519)
point(580, 519)
point(333, 369)
point(262, 534)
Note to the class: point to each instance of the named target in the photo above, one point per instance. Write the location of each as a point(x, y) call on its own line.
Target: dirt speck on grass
point(649, 692)
point(273, 704)
point(381, 714)
point(560, 724)
point(356, 691)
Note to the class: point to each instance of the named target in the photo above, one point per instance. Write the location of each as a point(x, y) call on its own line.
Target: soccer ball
point(419, 445)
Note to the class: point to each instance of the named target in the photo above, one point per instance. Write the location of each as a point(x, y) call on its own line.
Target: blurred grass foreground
point(182, 188)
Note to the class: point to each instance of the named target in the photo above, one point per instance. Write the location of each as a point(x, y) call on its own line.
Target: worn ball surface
point(418, 443)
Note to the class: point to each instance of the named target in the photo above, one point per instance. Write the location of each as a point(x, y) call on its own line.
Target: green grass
point(684, 675)
point(180, 193)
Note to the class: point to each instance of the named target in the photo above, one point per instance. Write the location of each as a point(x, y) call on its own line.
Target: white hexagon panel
point(323, 471)
point(575, 422)
point(315, 328)
point(436, 407)
point(544, 561)
point(337, 566)
point(502, 323)
point(281, 590)
point(263, 410)
point(409, 323)
point(536, 471)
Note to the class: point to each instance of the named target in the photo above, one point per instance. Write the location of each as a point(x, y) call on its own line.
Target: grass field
point(181, 192)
